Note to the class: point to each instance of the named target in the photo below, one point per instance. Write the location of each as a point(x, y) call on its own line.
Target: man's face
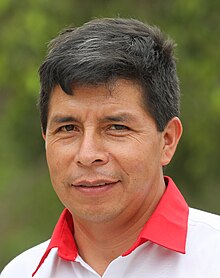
point(104, 152)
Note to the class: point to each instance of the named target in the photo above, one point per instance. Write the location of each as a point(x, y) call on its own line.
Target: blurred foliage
point(29, 207)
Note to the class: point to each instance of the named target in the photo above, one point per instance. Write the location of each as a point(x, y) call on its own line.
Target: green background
point(28, 206)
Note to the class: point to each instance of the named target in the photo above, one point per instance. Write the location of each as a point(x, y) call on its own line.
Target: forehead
point(121, 100)
point(119, 92)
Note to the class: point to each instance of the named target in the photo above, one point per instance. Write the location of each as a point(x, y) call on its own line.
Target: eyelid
point(123, 127)
point(61, 128)
point(111, 127)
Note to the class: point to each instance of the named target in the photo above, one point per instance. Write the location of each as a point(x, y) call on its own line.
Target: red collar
point(167, 227)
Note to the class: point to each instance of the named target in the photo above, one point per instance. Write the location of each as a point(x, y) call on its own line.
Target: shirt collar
point(166, 227)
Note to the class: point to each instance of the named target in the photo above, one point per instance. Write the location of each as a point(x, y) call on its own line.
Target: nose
point(91, 151)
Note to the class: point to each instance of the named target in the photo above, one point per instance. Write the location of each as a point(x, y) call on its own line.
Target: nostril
point(90, 162)
point(91, 158)
point(98, 160)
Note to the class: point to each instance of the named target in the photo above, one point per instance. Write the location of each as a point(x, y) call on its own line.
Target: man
point(109, 107)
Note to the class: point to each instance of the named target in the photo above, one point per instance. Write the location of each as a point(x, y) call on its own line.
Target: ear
point(171, 137)
point(43, 134)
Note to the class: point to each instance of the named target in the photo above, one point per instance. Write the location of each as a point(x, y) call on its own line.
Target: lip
point(93, 183)
point(94, 187)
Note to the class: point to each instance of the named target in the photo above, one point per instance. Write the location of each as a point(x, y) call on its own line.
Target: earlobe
point(171, 135)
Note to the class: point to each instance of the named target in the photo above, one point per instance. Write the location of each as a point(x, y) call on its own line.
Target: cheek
point(140, 162)
point(57, 174)
point(55, 163)
point(132, 160)
point(58, 155)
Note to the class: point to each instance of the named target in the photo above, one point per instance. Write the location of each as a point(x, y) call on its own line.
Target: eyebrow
point(63, 119)
point(122, 117)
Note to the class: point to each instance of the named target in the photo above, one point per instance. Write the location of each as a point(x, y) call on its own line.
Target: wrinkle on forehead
point(122, 94)
point(112, 86)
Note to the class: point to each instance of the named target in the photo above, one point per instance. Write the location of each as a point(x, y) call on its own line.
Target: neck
point(106, 241)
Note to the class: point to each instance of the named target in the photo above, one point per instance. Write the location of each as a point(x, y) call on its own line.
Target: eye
point(118, 127)
point(68, 128)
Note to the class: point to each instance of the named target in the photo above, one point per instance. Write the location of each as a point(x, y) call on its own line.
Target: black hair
point(106, 49)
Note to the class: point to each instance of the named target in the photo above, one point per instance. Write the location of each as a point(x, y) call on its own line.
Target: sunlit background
point(28, 206)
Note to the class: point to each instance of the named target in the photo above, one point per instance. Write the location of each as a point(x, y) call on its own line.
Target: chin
point(98, 216)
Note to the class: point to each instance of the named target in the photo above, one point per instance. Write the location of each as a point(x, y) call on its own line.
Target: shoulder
point(204, 219)
point(203, 235)
point(202, 244)
point(24, 264)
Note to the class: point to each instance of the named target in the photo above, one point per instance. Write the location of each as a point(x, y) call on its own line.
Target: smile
point(94, 187)
point(94, 183)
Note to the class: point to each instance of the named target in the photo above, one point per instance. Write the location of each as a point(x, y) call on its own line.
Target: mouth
point(94, 187)
point(93, 184)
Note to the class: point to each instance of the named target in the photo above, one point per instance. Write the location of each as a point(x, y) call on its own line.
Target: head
point(109, 104)
point(104, 50)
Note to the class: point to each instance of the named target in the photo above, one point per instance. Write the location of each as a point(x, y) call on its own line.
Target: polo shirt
point(176, 242)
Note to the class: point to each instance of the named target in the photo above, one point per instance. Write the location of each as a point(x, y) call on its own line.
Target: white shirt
point(146, 260)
